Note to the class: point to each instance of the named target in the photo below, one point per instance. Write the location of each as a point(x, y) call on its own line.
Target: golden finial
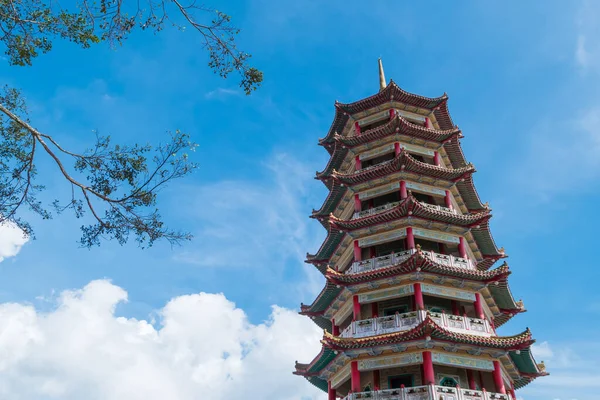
point(382, 83)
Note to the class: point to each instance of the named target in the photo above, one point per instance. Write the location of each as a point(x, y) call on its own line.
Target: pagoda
point(413, 296)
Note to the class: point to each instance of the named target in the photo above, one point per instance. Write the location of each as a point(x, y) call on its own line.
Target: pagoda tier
point(429, 329)
point(411, 304)
point(418, 266)
point(403, 162)
point(409, 208)
point(338, 241)
point(397, 128)
point(392, 96)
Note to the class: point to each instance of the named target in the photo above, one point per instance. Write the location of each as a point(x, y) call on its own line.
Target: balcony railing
point(449, 260)
point(438, 208)
point(370, 264)
point(428, 392)
point(385, 207)
point(375, 210)
point(380, 262)
point(406, 321)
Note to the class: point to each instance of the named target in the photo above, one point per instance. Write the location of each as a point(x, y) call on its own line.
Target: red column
point(410, 238)
point(357, 203)
point(448, 199)
point(427, 123)
point(374, 310)
point(357, 127)
point(481, 380)
point(376, 380)
point(419, 304)
point(462, 248)
point(403, 192)
point(354, 377)
point(392, 113)
point(471, 379)
point(455, 310)
point(396, 149)
point(358, 163)
point(498, 378)
point(331, 395)
point(479, 306)
point(355, 308)
point(436, 158)
point(428, 374)
point(357, 251)
point(335, 330)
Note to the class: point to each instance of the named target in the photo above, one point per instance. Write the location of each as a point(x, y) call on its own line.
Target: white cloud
point(587, 48)
point(11, 240)
point(204, 347)
point(260, 224)
point(221, 93)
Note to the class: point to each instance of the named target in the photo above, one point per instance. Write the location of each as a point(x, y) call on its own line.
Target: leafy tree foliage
point(117, 185)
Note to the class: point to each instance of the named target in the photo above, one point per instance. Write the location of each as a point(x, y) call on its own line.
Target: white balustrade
point(428, 392)
point(449, 260)
point(406, 321)
point(380, 262)
point(438, 208)
point(371, 264)
point(375, 210)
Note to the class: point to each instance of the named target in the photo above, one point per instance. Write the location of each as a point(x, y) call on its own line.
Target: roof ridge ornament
point(382, 84)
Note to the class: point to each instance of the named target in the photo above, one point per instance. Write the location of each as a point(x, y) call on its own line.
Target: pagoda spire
point(382, 83)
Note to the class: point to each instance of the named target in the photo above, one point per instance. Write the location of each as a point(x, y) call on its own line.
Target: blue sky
point(523, 85)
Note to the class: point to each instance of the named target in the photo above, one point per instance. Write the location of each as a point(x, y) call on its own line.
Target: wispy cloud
point(222, 93)
point(587, 49)
point(259, 224)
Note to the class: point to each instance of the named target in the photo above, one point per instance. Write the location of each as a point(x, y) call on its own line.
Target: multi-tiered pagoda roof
point(409, 238)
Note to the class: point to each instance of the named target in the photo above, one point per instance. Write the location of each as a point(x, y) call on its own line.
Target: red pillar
point(479, 306)
point(455, 310)
point(462, 248)
point(392, 113)
point(498, 378)
point(436, 158)
point(355, 308)
point(396, 149)
point(403, 191)
point(331, 395)
point(448, 199)
point(357, 127)
point(358, 163)
point(419, 303)
point(410, 238)
point(471, 379)
point(335, 330)
point(374, 310)
point(376, 380)
point(428, 374)
point(357, 251)
point(354, 377)
point(357, 203)
point(427, 123)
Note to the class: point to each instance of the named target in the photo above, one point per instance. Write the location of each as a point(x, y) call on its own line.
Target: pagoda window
point(377, 160)
point(397, 381)
point(400, 309)
point(428, 245)
point(389, 248)
point(437, 304)
point(381, 200)
point(422, 158)
point(375, 124)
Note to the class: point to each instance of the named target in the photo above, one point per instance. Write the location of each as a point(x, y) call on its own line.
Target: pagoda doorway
point(396, 382)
